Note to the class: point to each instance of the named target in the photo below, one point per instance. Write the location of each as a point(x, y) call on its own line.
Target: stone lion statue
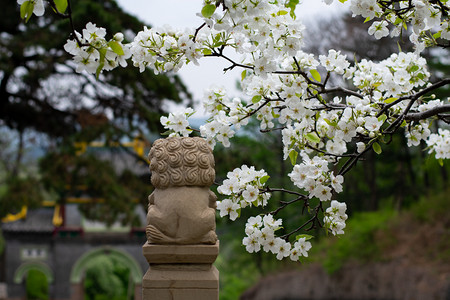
point(182, 208)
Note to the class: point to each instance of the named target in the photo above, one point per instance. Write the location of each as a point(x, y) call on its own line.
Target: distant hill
point(383, 256)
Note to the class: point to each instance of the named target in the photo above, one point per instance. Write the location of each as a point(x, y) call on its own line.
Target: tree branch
point(429, 113)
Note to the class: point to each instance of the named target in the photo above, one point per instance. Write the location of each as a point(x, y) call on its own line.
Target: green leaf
point(306, 236)
point(116, 47)
point(264, 179)
point(437, 35)
point(102, 52)
point(377, 148)
point(404, 123)
point(207, 51)
point(390, 100)
point(256, 98)
point(293, 156)
point(414, 68)
point(26, 10)
point(367, 19)
point(315, 75)
point(243, 75)
point(399, 47)
point(61, 5)
point(333, 124)
point(23, 9)
point(382, 118)
point(313, 137)
point(291, 4)
point(441, 162)
point(342, 1)
point(282, 13)
point(208, 10)
point(398, 21)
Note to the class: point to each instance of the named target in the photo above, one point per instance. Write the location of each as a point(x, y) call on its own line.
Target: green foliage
point(36, 285)
point(133, 98)
point(49, 98)
point(237, 270)
point(107, 279)
point(18, 191)
point(117, 194)
point(432, 207)
point(359, 240)
point(369, 235)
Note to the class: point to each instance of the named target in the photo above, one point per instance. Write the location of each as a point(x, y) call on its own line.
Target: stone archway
point(79, 268)
point(36, 284)
point(23, 269)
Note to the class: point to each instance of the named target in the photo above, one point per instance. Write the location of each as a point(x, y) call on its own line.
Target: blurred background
point(74, 176)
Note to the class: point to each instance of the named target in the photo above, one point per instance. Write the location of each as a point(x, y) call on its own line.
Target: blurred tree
point(107, 279)
point(36, 285)
point(40, 92)
point(39, 88)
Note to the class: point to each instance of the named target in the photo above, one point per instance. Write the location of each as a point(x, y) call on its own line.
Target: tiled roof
point(37, 220)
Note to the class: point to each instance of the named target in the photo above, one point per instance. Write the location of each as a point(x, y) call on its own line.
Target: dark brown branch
point(429, 113)
point(197, 31)
point(343, 90)
point(416, 96)
point(284, 204)
point(311, 221)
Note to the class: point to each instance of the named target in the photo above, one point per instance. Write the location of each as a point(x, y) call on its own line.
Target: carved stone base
point(181, 272)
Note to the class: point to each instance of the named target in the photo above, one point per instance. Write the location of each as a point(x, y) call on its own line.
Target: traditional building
point(61, 243)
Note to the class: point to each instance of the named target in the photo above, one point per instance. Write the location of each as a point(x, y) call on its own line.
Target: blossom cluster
point(312, 125)
point(243, 187)
point(314, 177)
point(95, 53)
point(166, 49)
point(335, 217)
point(440, 144)
point(425, 17)
point(260, 233)
point(177, 122)
point(288, 90)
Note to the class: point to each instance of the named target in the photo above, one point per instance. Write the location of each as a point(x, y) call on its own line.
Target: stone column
point(181, 242)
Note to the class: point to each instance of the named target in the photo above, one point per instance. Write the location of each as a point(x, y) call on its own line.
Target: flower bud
point(118, 37)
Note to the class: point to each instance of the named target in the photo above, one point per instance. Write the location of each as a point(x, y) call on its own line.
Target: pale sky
point(182, 13)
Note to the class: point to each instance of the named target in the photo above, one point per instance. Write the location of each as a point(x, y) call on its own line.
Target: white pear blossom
point(379, 29)
point(228, 208)
point(287, 89)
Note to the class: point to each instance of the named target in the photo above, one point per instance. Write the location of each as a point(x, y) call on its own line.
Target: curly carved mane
point(181, 161)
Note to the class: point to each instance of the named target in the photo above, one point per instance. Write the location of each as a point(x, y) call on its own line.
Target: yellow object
point(137, 144)
point(139, 147)
point(57, 219)
point(14, 217)
point(81, 148)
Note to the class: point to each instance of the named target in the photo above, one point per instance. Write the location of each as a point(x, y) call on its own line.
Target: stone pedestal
point(181, 272)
